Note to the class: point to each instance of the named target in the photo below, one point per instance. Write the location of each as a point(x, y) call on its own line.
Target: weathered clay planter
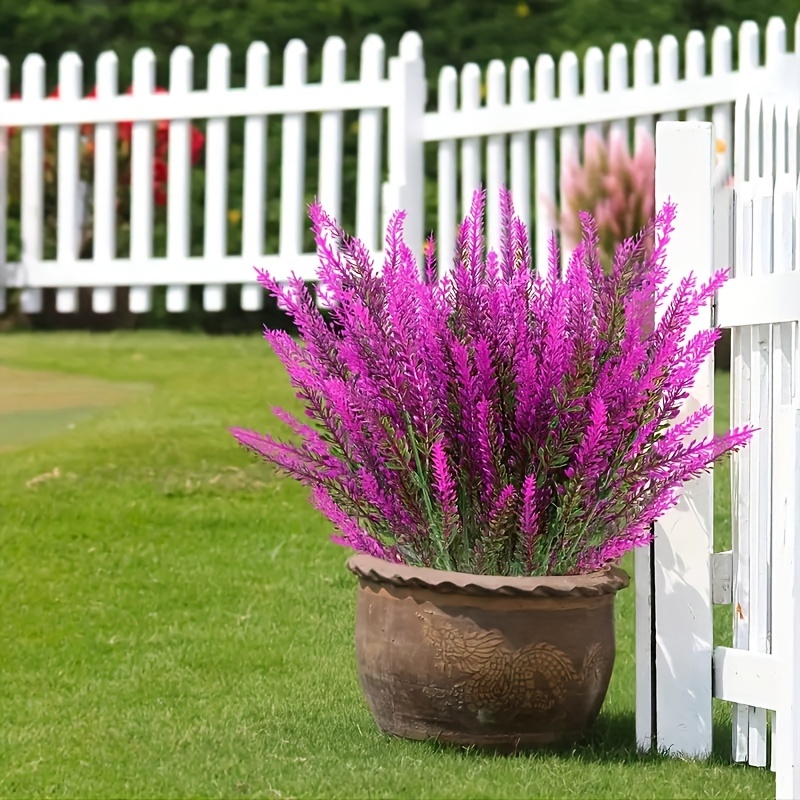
point(506, 663)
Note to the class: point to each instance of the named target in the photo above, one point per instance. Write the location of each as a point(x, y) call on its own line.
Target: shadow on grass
point(612, 740)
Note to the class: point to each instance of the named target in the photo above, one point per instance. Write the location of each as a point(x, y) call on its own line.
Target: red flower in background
point(124, 135)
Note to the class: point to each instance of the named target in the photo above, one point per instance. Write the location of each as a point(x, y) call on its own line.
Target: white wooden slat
point(722, 113)
point(684, 535)
point(544, 165)
point(645, 652)
point(104, 212)
point(760, 446)
point(238, 102)
point(32, 184)
point(741, 462)
point(593, 109)
point(179, 177)
point(521, 143)
point(370, 148)
point(786, 736)
point(668, 58)
point(496, 156)
point(750, 301)
point(470, 147)
point(157, 271)
point(4, 95)
point(69, 220)
point(254, 208)
point(775, 40)
point(215, 245)
point(569, 147)
point(140, 299)
point(331, 140)
point(594, 82)
point(782, 415)
point(618, 82)
point(293, 150)
point(695, 68)
point(748, 46)
point(406, 186)
point(643, 78)
point(332, 130)
point(447, 175)
point(748, 678)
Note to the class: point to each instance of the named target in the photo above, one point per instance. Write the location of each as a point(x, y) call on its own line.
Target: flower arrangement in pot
point(490, 442)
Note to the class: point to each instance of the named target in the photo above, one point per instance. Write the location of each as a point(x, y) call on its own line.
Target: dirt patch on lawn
point(35, 405)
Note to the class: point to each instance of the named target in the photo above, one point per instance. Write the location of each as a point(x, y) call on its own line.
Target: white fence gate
point(680, 576)
point(479, 140)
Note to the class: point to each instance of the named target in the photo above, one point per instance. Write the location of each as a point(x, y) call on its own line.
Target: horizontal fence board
point(351, 95)
point(160, 271)
point(763, 299)
point(582, 110)
point(752, 679)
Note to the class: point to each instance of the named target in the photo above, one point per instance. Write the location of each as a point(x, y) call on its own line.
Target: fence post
point(405, 188)
point(674, 696)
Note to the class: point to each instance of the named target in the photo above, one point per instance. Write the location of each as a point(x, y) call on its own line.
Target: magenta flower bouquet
point(500, 419)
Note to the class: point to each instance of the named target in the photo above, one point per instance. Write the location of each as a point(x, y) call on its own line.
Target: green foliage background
point(453, 34)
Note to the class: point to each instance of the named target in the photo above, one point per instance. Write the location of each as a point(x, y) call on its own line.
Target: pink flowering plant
point(497, 419)
point(617, 188)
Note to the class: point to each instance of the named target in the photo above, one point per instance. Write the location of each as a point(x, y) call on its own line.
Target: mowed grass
point(175, 623)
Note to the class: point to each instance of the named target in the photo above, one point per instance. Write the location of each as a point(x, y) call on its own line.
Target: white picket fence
point(680, 576)
point(479, 141)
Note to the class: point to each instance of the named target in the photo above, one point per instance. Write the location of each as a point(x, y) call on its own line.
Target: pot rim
point(593, 584)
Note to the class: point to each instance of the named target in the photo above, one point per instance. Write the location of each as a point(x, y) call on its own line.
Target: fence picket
point(521, 144)
point(684, 535)
point(70, 200)
point(668, 58)
point(254, 209)
point(495, 153)
point(447, 175)
point(331, 141)
point(293, 146)
point(370, 148)
point(775, 39)
point(741, 378)
point(179, 177)
point(782, 235)
point(331, 130)
point(104, 211)
point(695, 68)
point(470, 147)
point(748, 46)
point(544, 164)
point(32, 184)
point(721, 113)
point(140, 299)
point(594, 81)
point(216, 200)
point(618, 82)
point(643, 72)
point(569, 148)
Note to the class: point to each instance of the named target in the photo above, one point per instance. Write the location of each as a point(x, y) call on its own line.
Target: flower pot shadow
point(612, 740)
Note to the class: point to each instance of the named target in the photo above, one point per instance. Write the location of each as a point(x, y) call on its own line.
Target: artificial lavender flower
point(500, 419)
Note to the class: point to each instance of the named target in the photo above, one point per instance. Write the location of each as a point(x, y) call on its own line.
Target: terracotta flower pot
point(505, 663)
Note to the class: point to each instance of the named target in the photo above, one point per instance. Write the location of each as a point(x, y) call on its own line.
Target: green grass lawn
point(175, 623)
